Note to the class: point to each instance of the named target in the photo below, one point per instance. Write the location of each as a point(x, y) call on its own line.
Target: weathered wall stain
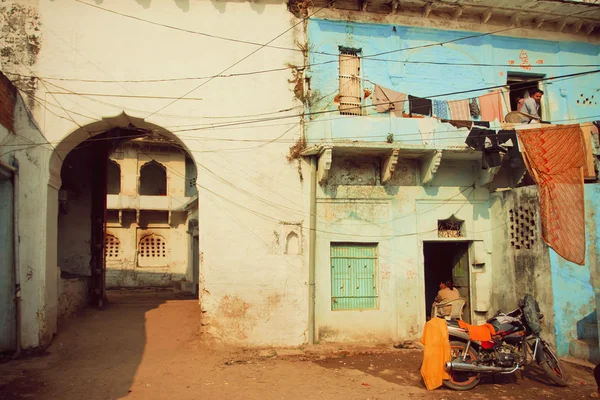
point(20, 28)
point(233, 307)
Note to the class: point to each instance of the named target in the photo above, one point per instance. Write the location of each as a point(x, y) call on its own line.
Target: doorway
point(447, 261)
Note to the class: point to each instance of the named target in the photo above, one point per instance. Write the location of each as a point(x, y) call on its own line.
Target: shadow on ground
point(96, 354)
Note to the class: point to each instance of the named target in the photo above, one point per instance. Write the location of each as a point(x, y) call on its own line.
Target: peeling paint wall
point(575, 286)
point(20, 28)
point(521, 258)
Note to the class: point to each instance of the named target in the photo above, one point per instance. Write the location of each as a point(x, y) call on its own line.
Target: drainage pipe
point(16, 258)
point(312, 245)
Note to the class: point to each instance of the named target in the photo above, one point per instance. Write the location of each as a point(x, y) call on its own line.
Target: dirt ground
point(147, 345)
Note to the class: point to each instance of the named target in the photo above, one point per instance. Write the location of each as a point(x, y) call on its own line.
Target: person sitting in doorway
point(447, 292)
point(531, 106)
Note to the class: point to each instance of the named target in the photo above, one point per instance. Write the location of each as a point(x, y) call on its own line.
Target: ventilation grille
point(523, 230)
point(112, 247)
point(153, 247)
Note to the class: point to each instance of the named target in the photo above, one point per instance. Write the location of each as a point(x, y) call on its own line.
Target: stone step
point(585, 349)
point(587, 331)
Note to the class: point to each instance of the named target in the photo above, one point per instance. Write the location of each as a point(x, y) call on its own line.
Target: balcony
point(150, 203)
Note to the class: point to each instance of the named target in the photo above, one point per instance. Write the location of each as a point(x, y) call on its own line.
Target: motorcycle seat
point(501, 327)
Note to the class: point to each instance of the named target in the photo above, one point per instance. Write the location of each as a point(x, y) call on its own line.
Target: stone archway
point(67, 236)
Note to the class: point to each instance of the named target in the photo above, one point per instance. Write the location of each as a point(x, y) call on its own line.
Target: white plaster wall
point(399, 217)
point(247, 188)
point(38, 312)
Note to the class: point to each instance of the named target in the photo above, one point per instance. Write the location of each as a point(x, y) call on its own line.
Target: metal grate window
point(153, 246)
point(350, 96)
point(111, 247)
point(353, 276)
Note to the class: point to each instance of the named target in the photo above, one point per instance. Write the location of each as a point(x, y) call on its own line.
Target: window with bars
point(350, 92)
point(111, 247)
point(152, 246)
point(354, 276)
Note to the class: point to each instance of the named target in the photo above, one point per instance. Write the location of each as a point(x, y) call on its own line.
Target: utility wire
point(310, 114)
point(326, 53)
point(351, 138)
point(241, 60)
point(246, 123)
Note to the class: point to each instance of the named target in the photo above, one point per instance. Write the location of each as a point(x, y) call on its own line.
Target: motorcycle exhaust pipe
point(465, 367)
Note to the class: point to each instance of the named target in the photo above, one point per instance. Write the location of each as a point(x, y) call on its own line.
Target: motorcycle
point(516, 343)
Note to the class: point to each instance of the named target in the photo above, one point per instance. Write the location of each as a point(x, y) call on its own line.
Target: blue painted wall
point(402, 71)
point(572, 285)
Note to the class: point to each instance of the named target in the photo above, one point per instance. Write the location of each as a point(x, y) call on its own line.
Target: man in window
point(531, 106)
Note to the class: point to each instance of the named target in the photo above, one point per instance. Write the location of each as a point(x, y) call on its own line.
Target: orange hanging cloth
point(482, 333)
point(490, 105)
point(555, 158)
point(436, 353)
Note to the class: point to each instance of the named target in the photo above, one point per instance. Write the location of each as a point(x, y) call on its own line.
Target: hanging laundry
point(476, 138)
point(418, 105)
point(482, 123)
point(555, 157)
point(491, 157)
point(506, 135)
point(388, 100)
point(589, 170)
point(459, 124)
point(440, 109)
point(490, 105)
point(459, 110)
point(474, 108)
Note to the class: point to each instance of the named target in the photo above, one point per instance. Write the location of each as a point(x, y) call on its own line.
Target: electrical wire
point(246, 123)
point(240, 60)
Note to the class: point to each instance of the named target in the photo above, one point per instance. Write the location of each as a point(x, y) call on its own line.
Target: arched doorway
point(113, 199)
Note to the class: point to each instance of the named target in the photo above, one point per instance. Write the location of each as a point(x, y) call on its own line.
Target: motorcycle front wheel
point(462, 380)
point(552, 367)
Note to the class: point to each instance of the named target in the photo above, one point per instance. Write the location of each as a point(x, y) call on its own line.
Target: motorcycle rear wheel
point(462, 380)
point(552, 367)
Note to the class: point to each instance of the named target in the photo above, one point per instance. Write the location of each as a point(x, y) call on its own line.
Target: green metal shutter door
point(353, 276)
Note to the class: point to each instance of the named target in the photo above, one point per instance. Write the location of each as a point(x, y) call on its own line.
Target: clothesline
point(488, 106)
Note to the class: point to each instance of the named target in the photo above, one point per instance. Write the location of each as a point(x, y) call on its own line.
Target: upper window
point(113, 178)
point(153, 179)
point(350, 91)
point(354, 276)
point(522, 86)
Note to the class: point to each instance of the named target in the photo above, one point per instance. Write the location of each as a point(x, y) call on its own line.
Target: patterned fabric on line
point(440, 109)
point(459, 110)
point(555, 157)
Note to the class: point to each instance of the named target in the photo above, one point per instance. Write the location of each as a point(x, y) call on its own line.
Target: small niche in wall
point(292, 234)
point(523, 229)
